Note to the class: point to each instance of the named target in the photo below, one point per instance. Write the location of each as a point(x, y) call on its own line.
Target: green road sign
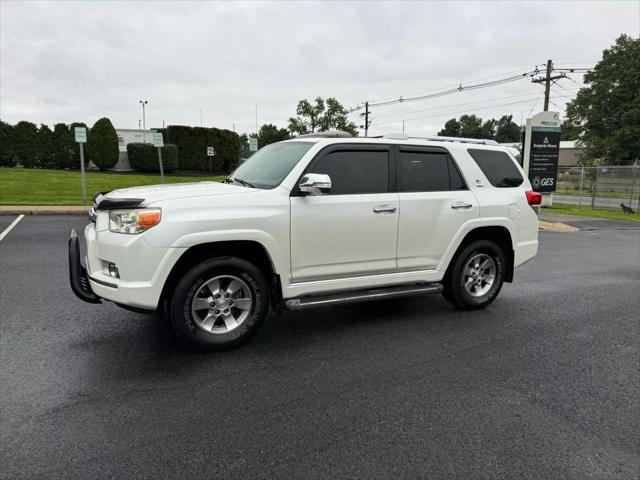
point(81, 134)
point(158, 141)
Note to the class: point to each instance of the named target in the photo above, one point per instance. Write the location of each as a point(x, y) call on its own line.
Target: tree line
point(502, 130)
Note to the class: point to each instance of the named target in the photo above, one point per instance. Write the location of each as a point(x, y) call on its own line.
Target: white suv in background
point(317, 220)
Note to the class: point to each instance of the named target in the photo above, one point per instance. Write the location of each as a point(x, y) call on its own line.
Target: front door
point(352, 230)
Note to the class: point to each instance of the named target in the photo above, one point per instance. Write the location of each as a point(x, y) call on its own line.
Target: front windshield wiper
point(240, 181)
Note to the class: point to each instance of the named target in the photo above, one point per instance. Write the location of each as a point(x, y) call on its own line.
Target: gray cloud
point(78, 61)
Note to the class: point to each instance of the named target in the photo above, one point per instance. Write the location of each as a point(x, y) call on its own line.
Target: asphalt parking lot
point(542, 384)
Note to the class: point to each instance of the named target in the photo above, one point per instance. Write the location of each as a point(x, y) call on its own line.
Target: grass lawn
point(588, 212)
point(25, 186)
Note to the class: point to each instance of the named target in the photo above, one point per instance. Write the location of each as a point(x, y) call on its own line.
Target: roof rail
point(327, 134)
point(438, 138)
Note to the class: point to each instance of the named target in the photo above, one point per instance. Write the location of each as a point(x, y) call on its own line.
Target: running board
point(361, 296)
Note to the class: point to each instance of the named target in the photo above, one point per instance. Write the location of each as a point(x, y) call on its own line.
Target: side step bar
point(361, 296)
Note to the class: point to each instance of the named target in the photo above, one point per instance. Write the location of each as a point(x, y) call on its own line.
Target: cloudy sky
point(79, 61)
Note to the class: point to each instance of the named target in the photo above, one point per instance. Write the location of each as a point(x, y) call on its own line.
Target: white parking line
point(10, 227)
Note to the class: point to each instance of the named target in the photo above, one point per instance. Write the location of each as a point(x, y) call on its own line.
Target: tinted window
point(355, 171)
point(497, 167)
point(428, 172)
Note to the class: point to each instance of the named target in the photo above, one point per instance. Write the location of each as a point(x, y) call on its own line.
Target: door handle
point(457, 205)
point(384, 209)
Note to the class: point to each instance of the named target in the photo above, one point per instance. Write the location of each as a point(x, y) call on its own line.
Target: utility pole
point(547, 79)
point(201, 117)
point(366, 119)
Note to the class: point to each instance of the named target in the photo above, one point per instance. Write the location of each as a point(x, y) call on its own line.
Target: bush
point(26, 144)
point(144, 157)
point(62, 144)
point(102, 144)
point(192, 143)
point(45, 155)
point(7, 145)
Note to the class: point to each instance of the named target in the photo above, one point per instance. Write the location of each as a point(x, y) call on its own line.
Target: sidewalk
point(44, 209)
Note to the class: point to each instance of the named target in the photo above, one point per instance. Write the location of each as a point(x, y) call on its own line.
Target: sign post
point(210, 153)
point(541, 152)
point(253, 144)
point(81, 138)
point(158, 142)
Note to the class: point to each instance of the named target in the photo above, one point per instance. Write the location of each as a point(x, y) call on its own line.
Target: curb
point(44, 210)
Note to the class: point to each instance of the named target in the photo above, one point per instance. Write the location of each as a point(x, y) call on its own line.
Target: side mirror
point(315, 183)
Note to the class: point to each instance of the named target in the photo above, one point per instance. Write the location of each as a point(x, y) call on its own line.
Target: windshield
point(269, 166)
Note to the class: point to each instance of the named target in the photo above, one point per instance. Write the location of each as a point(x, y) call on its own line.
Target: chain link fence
point(599, 187)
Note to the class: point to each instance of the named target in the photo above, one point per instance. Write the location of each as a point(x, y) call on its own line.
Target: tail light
point(533, 198)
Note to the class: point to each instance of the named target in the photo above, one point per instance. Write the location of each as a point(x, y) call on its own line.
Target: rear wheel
point(219, 303)
point(476, 276)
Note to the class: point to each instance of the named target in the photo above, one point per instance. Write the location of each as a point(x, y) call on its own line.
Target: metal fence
point(599, 187)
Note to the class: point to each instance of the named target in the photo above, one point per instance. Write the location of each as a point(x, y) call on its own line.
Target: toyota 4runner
point(308, 222)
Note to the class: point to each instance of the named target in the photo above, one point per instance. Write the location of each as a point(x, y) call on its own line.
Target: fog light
point(113, 270)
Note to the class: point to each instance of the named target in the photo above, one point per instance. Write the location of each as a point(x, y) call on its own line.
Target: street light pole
point(144, 121)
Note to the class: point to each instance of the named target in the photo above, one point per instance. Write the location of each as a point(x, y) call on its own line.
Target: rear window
point(428, 172)
point(498, 167)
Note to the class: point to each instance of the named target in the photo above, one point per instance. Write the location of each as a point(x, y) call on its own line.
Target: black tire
point(454, 282)
point(181, 315)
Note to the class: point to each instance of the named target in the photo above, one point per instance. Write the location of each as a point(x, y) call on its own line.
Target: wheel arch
point(500, 235)
point(250, 250)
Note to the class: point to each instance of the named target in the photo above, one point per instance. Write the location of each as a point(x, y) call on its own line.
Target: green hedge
point(102, 144)
point(144, 157)
point(192, 143)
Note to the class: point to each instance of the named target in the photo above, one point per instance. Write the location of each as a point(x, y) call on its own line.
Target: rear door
point(352, 230)
point(434, 204)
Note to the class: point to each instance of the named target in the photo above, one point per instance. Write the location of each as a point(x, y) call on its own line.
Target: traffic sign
point(211, 152)
point(81, 134)
point(158, 141)
point(253, 144)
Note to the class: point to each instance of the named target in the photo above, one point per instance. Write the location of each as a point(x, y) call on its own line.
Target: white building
point(125, 137)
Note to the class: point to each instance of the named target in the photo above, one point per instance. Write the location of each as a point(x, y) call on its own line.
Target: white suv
point(313, 221)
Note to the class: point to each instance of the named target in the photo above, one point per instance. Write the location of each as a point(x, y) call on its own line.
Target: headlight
point(133, 221)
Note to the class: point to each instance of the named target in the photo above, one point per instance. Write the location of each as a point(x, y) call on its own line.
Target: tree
point(45, 157)
point(569, 131)
point(321, 116)
point(102, 144)
point(451, 129)
point(470, 126)
point(26, 144)
point(269, 133)
point(606, 111)
point(507, 130)
point(488, 129)
point(62, 144)
point(7, 145)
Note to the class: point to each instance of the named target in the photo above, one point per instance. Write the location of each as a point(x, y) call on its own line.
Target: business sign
point(541, 152)
point(80, 134)
point(158, 141)
point(253, 144)
point(211, 152)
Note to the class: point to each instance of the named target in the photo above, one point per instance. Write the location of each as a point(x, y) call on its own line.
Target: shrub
point(192, 143)
point(45, 155)
point(62, 144)
point(26, 144)
point(102, 144)
point(144, 157)
point(7, 145)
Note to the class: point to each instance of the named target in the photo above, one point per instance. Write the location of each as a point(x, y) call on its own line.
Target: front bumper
point(78, 273)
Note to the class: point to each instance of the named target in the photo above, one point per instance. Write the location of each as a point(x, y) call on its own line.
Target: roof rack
point(437, 138)
point(327, 134)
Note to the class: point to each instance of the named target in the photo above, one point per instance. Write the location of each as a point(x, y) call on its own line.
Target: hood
point(155, 193)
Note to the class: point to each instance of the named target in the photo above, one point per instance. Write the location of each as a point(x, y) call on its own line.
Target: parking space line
point(10, 227)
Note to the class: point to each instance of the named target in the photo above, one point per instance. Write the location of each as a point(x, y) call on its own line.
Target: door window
point(429, 172)
point(355, 171)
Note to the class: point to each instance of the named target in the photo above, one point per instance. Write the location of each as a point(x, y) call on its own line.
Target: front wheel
point(219, 303)
point(476, 276)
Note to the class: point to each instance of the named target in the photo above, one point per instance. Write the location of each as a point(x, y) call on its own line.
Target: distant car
point(309, 222)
